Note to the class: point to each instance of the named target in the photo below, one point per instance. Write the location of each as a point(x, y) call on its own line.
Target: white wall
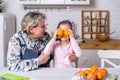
point(74, 14)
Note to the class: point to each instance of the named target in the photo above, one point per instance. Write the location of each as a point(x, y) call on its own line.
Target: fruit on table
point(86, 72)
point(100, 75)
point(93, 68)
point(81, 73)
point(94, 72)
point(91, 75)
point(104, 71)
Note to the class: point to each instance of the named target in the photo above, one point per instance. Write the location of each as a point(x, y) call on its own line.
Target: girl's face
point(64, 27)
point(39, 30)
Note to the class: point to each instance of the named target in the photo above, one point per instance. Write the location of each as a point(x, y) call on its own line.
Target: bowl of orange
point(93, 73)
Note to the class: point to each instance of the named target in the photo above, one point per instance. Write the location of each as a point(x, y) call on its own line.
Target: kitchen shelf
point(94, 22)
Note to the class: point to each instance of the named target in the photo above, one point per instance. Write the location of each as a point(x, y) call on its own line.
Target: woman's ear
point(31, 29)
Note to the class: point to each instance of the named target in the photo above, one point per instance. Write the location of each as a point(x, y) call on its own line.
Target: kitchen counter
point(95, 44)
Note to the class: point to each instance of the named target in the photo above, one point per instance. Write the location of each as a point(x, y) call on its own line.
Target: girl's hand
point(73, 57)
point(71, 33)
point(55, 35)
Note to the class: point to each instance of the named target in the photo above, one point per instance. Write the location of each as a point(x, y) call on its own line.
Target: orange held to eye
point(66, 33)
point(60, 33)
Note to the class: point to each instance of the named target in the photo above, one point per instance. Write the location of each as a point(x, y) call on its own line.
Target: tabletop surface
point(54, 73)
point(95, 44)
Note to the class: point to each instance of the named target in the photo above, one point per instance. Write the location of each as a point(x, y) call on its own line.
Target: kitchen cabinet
point(54, 2)
point(28, 2)
point(51, 4)
point(77, 2)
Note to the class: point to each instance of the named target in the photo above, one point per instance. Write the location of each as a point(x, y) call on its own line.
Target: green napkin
point(8, 76)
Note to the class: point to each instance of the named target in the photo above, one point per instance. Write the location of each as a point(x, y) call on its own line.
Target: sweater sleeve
point(76, 47)
point(14, 61)
point(50, 47)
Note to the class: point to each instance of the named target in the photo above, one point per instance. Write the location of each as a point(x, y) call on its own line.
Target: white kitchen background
point(73, 14)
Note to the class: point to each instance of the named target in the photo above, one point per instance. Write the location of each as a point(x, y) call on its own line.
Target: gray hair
point(31, 19)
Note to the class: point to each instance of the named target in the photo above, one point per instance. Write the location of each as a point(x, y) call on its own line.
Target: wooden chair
point(106, 55)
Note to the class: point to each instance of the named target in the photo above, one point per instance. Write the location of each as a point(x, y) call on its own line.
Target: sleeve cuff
point(35, 63)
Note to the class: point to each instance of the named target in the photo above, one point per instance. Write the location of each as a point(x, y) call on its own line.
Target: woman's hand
point(43, 58)
point(73, 57)
point(55, 35)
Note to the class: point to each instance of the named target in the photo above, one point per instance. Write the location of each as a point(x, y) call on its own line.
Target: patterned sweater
point(22, 55)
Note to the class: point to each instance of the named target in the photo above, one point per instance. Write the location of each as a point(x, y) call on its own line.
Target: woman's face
point(39, 30)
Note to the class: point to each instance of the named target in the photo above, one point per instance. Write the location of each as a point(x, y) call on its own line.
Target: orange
point(80, 73)
point(95, 76)
point(93, 68)
point(87, 72)
point(100, 75)
point(60, 33)
point(90, 75)
point(104, 71)
point(66, 33)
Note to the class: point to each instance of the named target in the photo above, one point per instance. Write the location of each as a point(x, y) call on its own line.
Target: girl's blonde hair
point(31, 19)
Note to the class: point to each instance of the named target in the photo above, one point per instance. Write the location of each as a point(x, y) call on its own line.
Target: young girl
point(63, 47)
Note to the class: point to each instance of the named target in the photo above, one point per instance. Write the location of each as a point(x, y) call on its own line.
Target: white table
point(53, 73)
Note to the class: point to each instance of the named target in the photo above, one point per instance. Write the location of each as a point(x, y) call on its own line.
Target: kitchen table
point(54, 73)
